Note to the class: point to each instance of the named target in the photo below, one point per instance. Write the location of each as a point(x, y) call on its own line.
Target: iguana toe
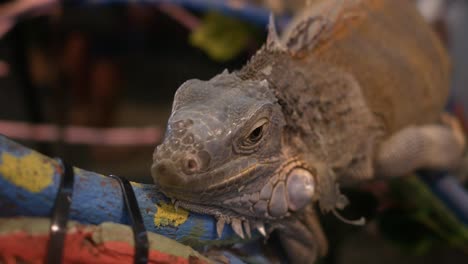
point(456, 127)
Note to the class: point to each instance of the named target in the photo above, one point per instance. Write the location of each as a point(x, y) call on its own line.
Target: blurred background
point(93, 81)
point(110, 65)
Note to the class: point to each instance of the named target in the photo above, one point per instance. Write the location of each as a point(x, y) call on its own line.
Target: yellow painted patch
point(79, 171)
point(136, 184)
point(167, 215)
point(29, 172)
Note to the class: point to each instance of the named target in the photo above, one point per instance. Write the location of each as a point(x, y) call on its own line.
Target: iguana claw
point(359, 222)
point(456, 127)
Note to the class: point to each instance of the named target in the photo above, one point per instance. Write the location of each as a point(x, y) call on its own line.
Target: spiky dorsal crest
point(306, 28)
point(273, 40)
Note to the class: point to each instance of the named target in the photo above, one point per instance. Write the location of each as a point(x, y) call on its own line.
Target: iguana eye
point(256, 133)
point(249, 141)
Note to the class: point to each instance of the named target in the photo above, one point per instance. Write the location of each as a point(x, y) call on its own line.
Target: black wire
point(139, 231)
point(60, 212)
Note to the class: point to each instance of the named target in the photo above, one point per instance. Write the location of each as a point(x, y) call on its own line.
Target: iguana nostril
point(190, 165)
point(194, 163)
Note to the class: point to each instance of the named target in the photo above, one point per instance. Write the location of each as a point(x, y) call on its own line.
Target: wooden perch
point(29, 183)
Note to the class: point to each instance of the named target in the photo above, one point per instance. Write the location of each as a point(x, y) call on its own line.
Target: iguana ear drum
point(300, 186)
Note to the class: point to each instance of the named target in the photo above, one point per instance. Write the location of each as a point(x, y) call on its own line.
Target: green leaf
point(420, 221)
point(221, 37)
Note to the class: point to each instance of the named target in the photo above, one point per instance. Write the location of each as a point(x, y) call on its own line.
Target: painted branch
point(29, 182)
point(25, 240)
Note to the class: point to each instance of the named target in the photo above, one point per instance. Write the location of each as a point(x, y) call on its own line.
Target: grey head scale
point(223, 154)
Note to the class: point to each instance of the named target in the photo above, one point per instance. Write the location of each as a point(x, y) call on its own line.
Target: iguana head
point(223, 152)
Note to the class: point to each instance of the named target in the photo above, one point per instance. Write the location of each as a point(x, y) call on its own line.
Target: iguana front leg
point(301, 234)
point(437, 146)
point(303, 238)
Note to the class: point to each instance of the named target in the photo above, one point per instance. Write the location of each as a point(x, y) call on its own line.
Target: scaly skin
point(339, 97)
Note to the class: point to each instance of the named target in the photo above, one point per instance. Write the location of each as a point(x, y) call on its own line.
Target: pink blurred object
point(4, 66)
point(181, 15)
point(82, 135)
point(11, 10)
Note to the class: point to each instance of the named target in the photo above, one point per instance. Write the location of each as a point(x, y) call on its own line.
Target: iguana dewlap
point(353, 90)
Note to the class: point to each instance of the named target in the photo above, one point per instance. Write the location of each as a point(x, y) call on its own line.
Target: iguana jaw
point(224, 181)
point(266, 198)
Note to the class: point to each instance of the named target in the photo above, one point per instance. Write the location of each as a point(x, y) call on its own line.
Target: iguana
point(351, 91)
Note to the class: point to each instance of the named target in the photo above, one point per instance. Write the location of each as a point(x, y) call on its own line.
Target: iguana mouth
point(218, 181)
point(288, 189)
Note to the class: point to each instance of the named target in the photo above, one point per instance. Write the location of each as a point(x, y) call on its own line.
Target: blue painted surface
point(97, 199)
point(449, 190)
